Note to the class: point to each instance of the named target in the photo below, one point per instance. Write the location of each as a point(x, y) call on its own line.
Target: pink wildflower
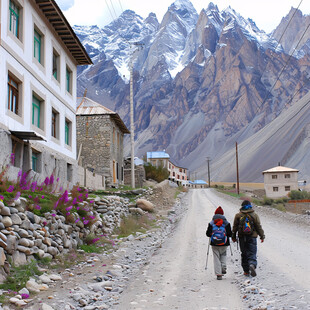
point(24, 296)
point(10, 189)
point(17, 196)
point(69, 208)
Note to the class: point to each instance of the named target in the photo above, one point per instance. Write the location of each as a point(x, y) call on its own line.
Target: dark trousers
point(248, 247)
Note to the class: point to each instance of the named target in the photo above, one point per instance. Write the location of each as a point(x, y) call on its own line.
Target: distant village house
point(176, 174)
point(39, 54)
point(100, 135)
point(279, 181)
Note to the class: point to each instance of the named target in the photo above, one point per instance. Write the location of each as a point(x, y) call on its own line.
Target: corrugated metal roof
point(280, 169)
point(159, 154)
point(89, 107)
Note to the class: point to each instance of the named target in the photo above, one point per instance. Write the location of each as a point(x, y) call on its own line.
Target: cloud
point(65, 4)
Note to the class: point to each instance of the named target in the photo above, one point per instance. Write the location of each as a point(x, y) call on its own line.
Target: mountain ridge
point(196, 87)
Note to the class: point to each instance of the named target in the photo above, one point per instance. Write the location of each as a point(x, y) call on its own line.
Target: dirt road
point(176, 277)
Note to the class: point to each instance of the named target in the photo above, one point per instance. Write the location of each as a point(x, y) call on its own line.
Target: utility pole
point(237, 168)
point(208, 160)
point(132, 126)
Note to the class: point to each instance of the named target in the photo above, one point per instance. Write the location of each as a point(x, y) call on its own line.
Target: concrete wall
point(90, 179)
point(49, 162)
point(101, 150)
point(280, 185)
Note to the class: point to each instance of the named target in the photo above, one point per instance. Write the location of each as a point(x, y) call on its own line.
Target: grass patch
point(135, 223)
point(91, 248)
point(229, 191)
point(19, 276)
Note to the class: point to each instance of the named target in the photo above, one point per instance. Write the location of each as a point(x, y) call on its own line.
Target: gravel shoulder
point(164, 269)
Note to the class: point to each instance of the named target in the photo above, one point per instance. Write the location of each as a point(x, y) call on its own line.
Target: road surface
point(176, 278)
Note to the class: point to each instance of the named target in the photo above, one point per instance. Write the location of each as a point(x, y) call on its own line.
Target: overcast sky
point(267, 14)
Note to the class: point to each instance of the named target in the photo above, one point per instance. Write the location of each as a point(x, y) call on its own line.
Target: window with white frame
point(15, 18)
point(13, 94)
point(37, 111)
point(68, 80)
point(38, 43)
point(55, 124)
point(55, 70)
point(68, 130)
point(36, 161)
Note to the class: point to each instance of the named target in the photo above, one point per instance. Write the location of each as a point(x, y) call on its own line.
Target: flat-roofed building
point(279, 181)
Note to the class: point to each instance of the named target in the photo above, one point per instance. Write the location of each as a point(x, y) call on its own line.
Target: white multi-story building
point(39, 55)
point(279, 181)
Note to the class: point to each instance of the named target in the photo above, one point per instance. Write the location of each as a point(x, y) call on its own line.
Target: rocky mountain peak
point(199, 81)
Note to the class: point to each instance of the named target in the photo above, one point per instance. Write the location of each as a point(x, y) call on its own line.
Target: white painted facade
point(177, 174)
point(35, 81)
point(279, 181)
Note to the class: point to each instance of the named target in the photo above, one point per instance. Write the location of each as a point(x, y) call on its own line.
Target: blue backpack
point(218, 236)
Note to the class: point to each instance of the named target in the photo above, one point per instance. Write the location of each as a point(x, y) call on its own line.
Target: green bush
point(268, 201)
point(19, 276)
point(158, 174)
point(297, 195)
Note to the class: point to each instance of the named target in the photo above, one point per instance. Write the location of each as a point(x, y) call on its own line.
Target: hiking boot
point(219, 277)
point(252, 271)
point(224, 271)
point(246, 274)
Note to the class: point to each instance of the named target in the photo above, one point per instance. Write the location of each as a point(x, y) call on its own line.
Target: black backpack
point(246, 225)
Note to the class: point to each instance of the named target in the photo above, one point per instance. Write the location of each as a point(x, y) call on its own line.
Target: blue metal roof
point(160, 154)
point(199, 182)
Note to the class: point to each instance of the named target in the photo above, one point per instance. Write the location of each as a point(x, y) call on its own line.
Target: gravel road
point(175, 277)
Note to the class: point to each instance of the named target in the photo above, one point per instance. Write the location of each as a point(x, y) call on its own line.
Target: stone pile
point(24, 235)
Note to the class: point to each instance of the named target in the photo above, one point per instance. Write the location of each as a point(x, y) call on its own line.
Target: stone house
point(39, 55)
point(100, 135)
point(279, 181)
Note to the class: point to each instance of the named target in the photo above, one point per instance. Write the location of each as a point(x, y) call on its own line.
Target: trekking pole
point(208, 255)
point(230, 250)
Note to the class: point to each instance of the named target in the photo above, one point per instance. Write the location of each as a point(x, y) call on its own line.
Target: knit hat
point(219, 210)
point(246, 204)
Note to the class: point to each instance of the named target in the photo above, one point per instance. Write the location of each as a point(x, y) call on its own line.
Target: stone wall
point(99, 147)
point(139, 174)
point(24, 235)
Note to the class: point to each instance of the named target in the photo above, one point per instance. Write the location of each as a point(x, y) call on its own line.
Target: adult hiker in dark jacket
point(248, 240)
point(219, 251)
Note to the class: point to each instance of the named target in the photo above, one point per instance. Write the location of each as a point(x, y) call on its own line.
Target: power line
point(109, 10)
point(285, 65)
point(120, 4)
point(113, 8)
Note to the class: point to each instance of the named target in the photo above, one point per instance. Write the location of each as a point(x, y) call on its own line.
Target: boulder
point(7, 222)
point(2, 257)
point(3, 237)
point(19, 258)
point(145, 205)
point(16, 220)
point(11, 244)
point(5, 211)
